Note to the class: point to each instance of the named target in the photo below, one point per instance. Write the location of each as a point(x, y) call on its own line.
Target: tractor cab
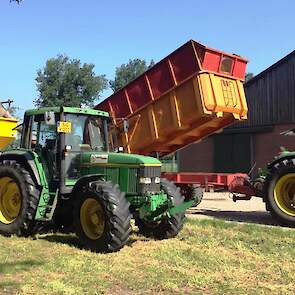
point(59, 136)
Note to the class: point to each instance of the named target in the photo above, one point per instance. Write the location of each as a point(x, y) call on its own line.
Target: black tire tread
point(275, 172)
point(118, 217)
point(25, 223)
point(192, 192)
point(167, 228)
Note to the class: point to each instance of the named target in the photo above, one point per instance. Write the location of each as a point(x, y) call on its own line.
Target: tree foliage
point(17, 1)
point(13, 111)
point(67, 82)
point(248, 76)
point(128, 72)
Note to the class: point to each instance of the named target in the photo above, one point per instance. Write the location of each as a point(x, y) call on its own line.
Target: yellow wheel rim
point(92, 218)
point(10, 200)
point(284, 194)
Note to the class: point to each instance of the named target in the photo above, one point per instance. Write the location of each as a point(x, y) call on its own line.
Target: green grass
point(208, 257)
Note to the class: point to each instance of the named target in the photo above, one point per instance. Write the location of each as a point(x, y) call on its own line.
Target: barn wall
point(267, 145)
point(203, 157)
point(271, 95)
point(197, 157)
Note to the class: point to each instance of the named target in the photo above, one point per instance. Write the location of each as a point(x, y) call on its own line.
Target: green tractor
point(275, 185)
point(65, 175)
point(279, 186)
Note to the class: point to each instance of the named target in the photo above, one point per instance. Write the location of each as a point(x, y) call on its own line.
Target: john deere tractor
point(65, 175)
point(279, 186)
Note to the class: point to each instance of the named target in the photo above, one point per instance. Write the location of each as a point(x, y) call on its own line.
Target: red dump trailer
point(192, 93)
point(209, 181)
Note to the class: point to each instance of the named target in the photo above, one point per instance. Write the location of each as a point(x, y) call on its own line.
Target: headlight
point(145, 180)
point(157, 179)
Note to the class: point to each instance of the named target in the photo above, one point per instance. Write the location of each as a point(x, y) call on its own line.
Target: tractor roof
point(71, 110)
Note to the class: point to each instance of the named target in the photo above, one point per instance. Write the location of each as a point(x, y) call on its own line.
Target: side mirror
point(49, 118)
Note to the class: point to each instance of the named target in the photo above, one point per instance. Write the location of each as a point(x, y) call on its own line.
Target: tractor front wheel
point(19, 198)
point(102, 217)
point(169, 227)
point(280, 192)
point(191, 192)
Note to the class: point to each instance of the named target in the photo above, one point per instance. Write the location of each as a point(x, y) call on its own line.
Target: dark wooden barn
point(271, 102)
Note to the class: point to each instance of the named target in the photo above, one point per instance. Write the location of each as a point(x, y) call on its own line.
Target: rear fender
point(84, 181)
point(31, 161)
point(285, 157)
point(28, 160)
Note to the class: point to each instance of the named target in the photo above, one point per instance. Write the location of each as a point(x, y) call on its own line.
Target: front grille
point(133, 179)
point(112, 174)
point(151, 172)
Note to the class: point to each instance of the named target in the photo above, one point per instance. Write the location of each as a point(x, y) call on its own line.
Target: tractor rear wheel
point(280, 192)
point(19, 198)
point(166, 228)
point(102, 217)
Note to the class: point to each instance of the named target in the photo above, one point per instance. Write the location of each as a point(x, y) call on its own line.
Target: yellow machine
point(7, 128)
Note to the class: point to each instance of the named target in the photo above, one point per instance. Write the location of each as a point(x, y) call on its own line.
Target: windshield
point(87, 133)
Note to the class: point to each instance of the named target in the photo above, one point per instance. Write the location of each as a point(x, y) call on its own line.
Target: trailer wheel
point(166, 228)
point(102, 217)
point(280, 192)
point(19, 197)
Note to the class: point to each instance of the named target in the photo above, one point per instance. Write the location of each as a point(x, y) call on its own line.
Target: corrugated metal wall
point(232, 153)
point(271, 95)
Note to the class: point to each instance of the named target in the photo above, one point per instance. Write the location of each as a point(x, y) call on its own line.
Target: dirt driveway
point(220, 205)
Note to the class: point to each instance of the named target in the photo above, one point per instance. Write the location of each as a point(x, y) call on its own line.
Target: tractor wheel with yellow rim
point(18, 199)
point(102, 217)
point(280, 192)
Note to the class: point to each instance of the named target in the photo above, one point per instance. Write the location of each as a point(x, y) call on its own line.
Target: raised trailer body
point(192, 93)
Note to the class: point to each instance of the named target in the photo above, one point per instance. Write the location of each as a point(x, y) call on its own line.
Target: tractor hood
point(117, 159)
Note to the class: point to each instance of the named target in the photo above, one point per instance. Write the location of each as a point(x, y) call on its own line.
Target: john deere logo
point(98, 158)
point(229, 94)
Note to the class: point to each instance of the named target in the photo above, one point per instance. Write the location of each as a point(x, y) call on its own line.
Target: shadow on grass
point(9, 287)
point(15, 268)
point(59, 238)
point(257, 217)
point(72, 240)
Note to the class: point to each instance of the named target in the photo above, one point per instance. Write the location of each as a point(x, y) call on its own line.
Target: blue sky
point(108, 33)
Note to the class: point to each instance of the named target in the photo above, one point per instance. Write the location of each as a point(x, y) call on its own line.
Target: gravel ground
point(220, 205)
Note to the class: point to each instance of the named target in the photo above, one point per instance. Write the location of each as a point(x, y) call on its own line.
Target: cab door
point(42, 138)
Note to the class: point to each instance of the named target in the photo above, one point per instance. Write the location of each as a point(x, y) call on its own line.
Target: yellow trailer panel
point(7, 134)
point(193, 92)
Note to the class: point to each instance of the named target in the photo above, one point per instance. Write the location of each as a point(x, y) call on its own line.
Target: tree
point(17, 1)
point(67, 82)
point(128, 72)
point(13, 111)
point(248, 76)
